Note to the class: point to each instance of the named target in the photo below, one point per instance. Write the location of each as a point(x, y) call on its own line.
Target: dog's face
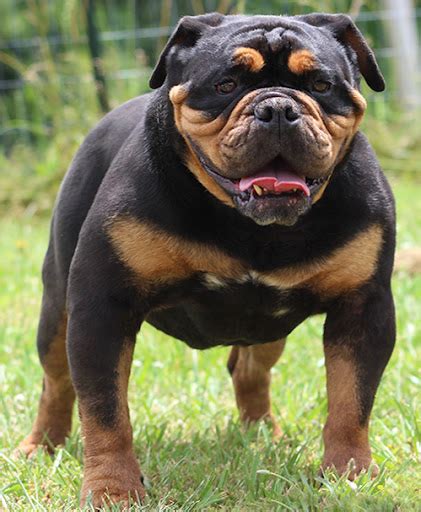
point(267, 106)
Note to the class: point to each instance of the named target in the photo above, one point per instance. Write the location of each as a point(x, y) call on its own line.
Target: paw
point(112, 480)
point(269, 419)
point(30, 445)
point(110, 496)
point(350, 462)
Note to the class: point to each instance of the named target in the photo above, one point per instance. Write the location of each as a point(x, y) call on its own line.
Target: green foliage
point(397, 146)
point(44, 121)
point(187, 438)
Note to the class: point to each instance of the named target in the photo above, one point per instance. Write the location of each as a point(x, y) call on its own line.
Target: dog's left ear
point(186, 34)
point(347, 33)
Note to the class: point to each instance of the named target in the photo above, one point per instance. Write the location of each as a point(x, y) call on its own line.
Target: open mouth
point(277, 179)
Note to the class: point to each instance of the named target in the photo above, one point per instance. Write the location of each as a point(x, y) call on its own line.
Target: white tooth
point(258, 190)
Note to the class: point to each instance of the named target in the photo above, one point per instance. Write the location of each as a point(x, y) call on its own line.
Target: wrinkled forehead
point(275, 38)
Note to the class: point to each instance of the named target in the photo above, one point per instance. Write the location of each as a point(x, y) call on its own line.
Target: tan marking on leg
point(250, 58)
point(158, 257)
point(53, 422)
point(344, 437)
point(345, 269)
point(250, 370)
point(111, 471)
point(302, 61)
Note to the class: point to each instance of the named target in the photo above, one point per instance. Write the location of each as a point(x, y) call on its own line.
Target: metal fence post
point(402, 31)
point(95, 50)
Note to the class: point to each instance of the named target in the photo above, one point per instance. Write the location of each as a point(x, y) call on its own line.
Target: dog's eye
point(321, 86)
point(225, 87)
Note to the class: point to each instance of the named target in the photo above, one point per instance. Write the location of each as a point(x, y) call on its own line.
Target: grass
point(193, 451)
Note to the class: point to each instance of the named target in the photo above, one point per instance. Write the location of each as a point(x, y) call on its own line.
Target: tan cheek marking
point(212, 135)
point(338, 131)
point(249, 58)
point(340, 126)
point(156, 257)
point(343, 435)
point(361, 106)
point(203, 177)
point(321, 191)
point(344, 270)
point(358, 99)
point(179, 93)
point(196, 125)
point(301, 61)
point(343, 128)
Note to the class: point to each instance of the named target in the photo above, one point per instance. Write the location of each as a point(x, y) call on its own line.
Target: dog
point(225, 207)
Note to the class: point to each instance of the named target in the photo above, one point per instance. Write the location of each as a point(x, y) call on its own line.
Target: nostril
point(263, 113)
point(291, 115)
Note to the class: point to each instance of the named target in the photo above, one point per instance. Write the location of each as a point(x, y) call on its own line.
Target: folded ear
point(347, 33)
point(186, 34)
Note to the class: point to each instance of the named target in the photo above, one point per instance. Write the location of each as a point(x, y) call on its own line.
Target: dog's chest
point(156, 257)
point(211, 311)
point(250, 295)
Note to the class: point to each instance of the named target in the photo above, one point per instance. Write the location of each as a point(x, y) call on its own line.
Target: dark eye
point(321, 86)
point(225, 87)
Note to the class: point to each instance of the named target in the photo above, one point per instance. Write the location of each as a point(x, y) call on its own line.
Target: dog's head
point(267, 105)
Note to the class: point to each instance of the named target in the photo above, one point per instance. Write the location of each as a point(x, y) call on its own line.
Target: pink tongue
point(275, 179)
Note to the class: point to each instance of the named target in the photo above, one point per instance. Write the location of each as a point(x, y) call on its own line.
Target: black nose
point(276, 111)
point(291, 115)
point(263, 113)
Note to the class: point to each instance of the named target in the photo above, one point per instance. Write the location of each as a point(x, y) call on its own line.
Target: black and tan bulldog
point(224, 208)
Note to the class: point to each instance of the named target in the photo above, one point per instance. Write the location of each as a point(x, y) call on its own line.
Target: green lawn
point(191, 448)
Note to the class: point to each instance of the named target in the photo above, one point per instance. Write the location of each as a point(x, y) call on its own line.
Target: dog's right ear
point(186, 34)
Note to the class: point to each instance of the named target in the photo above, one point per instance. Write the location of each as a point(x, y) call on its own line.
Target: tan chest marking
point(347, 268)
point(158, 257)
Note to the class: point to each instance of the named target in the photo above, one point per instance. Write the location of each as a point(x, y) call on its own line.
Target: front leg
point(358, 342)
point(101, 339)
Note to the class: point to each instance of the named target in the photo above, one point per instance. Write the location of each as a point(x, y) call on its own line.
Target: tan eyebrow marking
point(301, 61)
point(249, 58)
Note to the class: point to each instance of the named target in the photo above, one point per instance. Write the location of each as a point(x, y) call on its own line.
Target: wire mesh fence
point(46, 54)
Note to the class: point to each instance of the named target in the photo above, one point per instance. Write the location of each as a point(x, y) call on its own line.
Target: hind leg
point(53, 421)
point(250, 371)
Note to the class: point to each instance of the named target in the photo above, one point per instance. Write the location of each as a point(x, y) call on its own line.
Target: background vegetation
point(188, 440)
point(48, 98)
